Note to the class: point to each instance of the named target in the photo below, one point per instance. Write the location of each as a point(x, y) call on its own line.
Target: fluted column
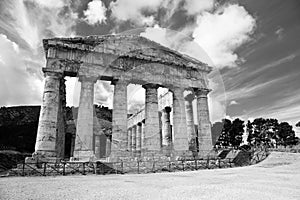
point(152, 134)
point(72, 145)
point(179, 121)
point(97, 146)
point(129, 139)
point(204, 125)
point(191, 132)
point(166, 127)
point(133, 139)
point(108, 146)
point(119, 121)
point(47, 129)
point(84, 128)
point(143, 135)
point(138, 137)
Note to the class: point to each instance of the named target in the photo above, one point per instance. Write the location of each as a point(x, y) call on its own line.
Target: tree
point(286, 134)
point(224, 137)
point(236, 132)
point(231, 134)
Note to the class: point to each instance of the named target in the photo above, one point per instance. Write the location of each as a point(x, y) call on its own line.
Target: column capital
point(150, 85)
point(176, 89)
point(53, 73)
point(189, 95)
point(120, 81)
point(201, 92)
point(83, 78)
point(167, 109)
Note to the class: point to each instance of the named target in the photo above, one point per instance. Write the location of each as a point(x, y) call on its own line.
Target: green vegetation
point(260, 131)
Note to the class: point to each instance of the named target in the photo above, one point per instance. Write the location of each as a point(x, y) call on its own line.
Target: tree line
point(260, 131)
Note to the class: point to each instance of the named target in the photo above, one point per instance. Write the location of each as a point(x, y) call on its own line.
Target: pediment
point(125, 46)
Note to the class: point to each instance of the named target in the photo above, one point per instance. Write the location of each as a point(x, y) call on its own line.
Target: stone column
point(129, 139)
point(108, 146)
point(191, 132)
point(166, 127)
point(119, 121)
point(61, 123)
point(138, 137)
point(152, 134)
point(143, 135)
point(204, 125)
point(133, 139)
point(179, 121)
point(84, 128)
point(97, 146)
point(46, 138)
point(72, 145)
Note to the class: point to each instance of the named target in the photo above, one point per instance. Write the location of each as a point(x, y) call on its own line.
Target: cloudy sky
point(254, 47)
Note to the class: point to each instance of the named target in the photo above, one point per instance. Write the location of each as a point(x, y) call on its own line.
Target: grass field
point(277, 177)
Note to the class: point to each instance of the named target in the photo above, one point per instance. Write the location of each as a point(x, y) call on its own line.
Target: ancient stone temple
point(123, 60)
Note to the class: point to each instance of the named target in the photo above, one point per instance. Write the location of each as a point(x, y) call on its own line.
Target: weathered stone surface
point(133, 139)
point(119, 127)
point(152, 132)
point(47, 130)
point(179, 119)
point(166, 127)
point(191, 133)
point(129, 139)
point(84, 129)
point(97, 146)
point(138, 137)
point(204, 125)
point(123, 60)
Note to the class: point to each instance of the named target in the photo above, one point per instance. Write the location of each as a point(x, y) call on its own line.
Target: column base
point(84, 156)
point(116, 156)
point(35, 159)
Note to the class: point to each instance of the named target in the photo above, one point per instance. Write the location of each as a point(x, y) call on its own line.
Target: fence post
point(23, 168)
point(64, 169)
point(138, 165)
point(83, 168)
point(182, 165)
point(169, 166)
point(219, 162)
point(122, 167)
point(45, 167)
point(153, 166)
point(196, 164)
point(207, 163)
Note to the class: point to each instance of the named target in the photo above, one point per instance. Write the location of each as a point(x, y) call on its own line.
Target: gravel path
point(278, 177)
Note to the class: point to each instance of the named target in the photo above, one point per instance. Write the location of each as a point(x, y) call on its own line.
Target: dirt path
point(278, 177)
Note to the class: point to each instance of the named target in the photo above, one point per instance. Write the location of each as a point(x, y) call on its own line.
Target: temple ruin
point(165, 132)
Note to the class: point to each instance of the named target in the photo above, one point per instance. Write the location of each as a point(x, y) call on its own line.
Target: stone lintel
point(87, 78)
point(202, 92)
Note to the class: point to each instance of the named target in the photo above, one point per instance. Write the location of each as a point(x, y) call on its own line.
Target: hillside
point(18, 125)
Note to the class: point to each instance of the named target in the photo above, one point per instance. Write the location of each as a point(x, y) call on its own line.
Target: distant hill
point(18, 125)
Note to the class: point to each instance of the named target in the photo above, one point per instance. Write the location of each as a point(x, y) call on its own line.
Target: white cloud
point(193, 7)
point(233, 102)
point(222, 32)
point(123, 10)
point(135, 11)
point(27, 22)
point(38, 20)
point(95, 13)
point(17, 84)
point(49, 4)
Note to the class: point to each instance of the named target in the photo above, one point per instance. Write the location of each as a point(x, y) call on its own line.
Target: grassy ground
point(277, 177)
